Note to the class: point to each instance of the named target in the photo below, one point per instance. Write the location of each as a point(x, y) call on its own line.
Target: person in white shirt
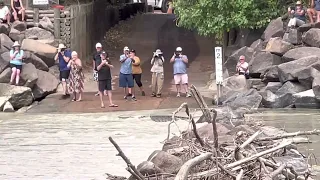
point(243, 67)
point(5, 15)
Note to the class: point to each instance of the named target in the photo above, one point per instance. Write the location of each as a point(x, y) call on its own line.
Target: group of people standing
point(70, 67)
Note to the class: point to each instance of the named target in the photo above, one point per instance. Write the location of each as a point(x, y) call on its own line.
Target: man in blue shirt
point(180, 62)
point(63, 56)
point(125, 77)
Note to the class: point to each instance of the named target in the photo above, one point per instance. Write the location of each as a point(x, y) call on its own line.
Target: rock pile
point(284, 69)
point(36, 80)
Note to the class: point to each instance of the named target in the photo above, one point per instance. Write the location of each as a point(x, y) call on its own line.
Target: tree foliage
point(216, 16)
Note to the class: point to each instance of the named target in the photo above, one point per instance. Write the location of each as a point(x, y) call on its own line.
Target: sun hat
point(158, 51)
point(98, 45)
point(126, 48)
point(298, 3)
point(178, 49)
point(74, 53)
point(15, 44)
point(61, 46)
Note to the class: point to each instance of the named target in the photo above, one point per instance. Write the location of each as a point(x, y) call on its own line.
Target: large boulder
point(316, 87)
point(300, 52)
point(293, 37)
point(54, 70)
point(262, 60)
point(8, 107)
point(148, 168)
point(237, 83)
point(258, 45)
point(43, 51)
point(278, 46)
point(35, 60)
point(274, 29)
point(18, 96)
point(302, 70)
point(18, 25)
point(166, 162)
point(247, 100)
point(4, 61)
point(306, 99)
point(5, 76)
point(256, 83)
point(232, 61)
point(28, 75)
point(4, 28)
point(305, 27)
point(270, 74)
point(273, 87)
point(6, 41)
point(312, 37)
point(43, 35)
point(45, 85)
point(16, 35)
point(45, 23)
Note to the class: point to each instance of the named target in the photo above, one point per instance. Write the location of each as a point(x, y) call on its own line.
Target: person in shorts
point(105, 78)
point(97, 60)
point(125, 76)
point(180, 62)
point(16, 55)
point(63, 56)
point(314, 11)
point(5, 14)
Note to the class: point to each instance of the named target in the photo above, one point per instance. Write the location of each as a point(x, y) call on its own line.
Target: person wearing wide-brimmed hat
point(5, 15)
point(157, 62)
point(298, 14)
point(16, 56)
point(63, 56)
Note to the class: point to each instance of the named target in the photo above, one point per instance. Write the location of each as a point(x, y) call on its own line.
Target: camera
point(62, 49)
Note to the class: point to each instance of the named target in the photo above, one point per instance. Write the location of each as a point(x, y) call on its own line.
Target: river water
point(76, 146)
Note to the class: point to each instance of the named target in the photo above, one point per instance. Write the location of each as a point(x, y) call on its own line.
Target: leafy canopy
point(216, 16)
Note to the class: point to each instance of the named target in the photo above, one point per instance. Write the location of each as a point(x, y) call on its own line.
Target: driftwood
point(288, 135)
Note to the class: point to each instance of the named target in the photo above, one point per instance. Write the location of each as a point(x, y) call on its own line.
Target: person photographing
point(105, 78)
point(180, 62)
point(125, 76)
point(157, 62)
point(16, 56)
point(63, 57)
point(136, 71)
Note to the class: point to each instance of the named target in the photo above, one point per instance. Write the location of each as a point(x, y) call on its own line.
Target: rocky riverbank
point(219, 146)
point(39, 75)
point(284, 69)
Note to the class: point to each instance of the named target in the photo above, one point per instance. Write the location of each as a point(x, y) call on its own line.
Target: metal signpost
point(219, 71)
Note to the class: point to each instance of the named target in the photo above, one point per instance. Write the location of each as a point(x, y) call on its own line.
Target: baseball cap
point(132, 50)
point(98, 45)
point(179, 49)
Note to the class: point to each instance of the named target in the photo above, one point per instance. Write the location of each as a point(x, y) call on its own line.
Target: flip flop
point(113, 105)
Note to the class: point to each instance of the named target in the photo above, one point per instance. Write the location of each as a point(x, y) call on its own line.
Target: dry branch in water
point(288, 135)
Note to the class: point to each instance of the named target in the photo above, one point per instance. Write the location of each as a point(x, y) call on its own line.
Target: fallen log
point(288, 135)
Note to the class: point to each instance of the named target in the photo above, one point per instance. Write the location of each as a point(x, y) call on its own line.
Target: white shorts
point(180, 78)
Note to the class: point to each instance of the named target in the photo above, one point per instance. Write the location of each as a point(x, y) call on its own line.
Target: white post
point(219, 71)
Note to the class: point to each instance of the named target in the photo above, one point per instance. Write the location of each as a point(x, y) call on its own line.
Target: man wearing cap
point(96, 62)
point(5, 15)
point(243, 67)
point(63, 56)
point(157, 62)
point(314, 10)
point(298, 15)
point(180, 62)
point(125, 77)
point(104, 78)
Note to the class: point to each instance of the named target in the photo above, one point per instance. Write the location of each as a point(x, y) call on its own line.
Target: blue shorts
point(126, 80)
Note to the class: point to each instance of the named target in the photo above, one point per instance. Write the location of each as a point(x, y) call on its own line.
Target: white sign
point(40, 2)
point(218, 62)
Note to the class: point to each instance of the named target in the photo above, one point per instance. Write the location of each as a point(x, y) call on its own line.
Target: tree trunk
point(225, 45)
point(232, 37)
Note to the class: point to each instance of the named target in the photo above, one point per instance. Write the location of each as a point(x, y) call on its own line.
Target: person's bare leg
point(130, 91)
point(80, 96)
point(8, 17)
point(13, 75)
point(318, 16)
point(178, 89)
point(64, 86)
point(110, 99)
point(101, 99)
point(15, 16)
point(23, 14)
point(310, 15)
point(18, 76)
point(74, 96)
point(186, 88)
point(97, 94)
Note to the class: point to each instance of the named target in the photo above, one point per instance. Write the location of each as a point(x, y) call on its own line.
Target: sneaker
point(153, 95)
point(97, 94)
point(133, 98)
point(178, 95)
point(188, 95)
point(143, 93)
point(124, 97)
point(158, 95)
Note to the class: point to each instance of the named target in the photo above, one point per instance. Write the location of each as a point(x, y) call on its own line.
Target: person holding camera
point(136, 71)
point(157, 62)
point(97, 60)
point(76, 79)
point(243, 67)
point(180, 62)
point(63, 56)
point(16, 56)
point(104, 79)
point(125, 76)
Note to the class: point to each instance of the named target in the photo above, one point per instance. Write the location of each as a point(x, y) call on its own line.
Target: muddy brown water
point(76, 146)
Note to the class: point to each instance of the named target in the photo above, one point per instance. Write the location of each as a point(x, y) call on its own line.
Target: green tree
point(216, 17)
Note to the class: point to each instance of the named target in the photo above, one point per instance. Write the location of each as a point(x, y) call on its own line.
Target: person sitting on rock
point(76, 79)
point(243, 67)
point(314, 10)
point(298, 15)
point(5, 15)
point(17, 8)
point(16, 55)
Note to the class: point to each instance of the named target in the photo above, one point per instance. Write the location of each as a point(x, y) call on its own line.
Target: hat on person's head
point(104, 53)
point(74, 53)
point(298, 3)
point(242, 57)
point(98, 45)
point(126, 48)
point(158, 51)
point(132, 50)
point(16, 44)
point(61, 46)
point(178, 49)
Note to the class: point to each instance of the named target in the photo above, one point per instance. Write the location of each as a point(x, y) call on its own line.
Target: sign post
point(219, 71)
